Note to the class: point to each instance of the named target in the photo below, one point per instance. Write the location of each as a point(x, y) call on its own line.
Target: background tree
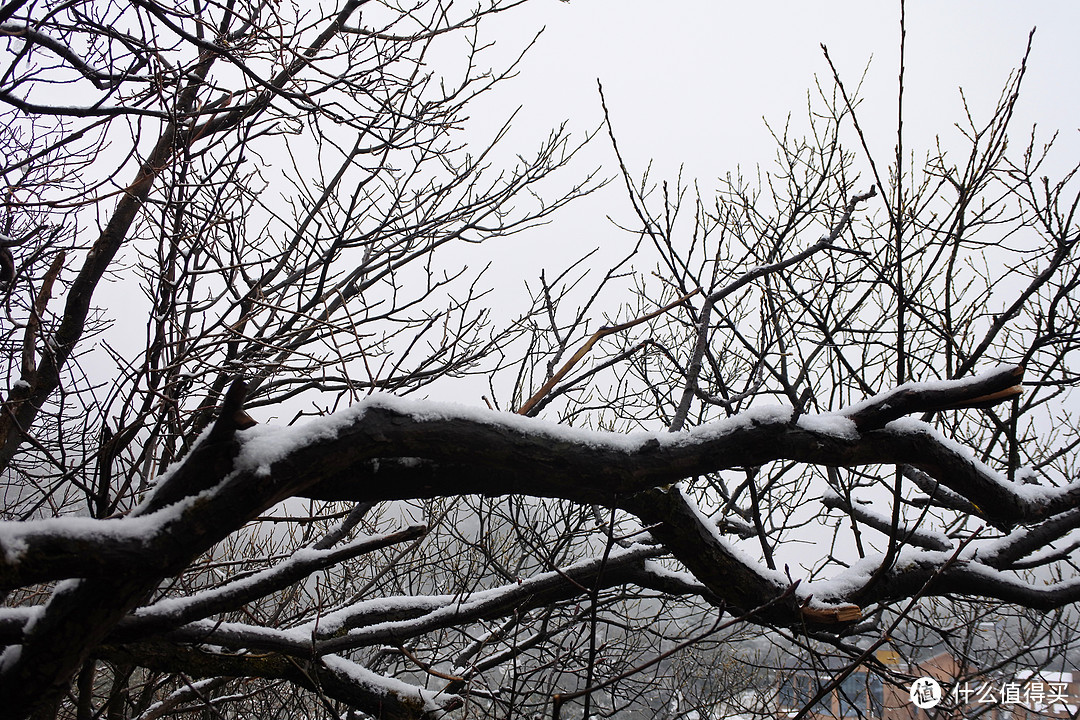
point(280, 199)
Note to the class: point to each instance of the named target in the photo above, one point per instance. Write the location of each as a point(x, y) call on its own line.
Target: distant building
point(1045, 694)
point(862, 694)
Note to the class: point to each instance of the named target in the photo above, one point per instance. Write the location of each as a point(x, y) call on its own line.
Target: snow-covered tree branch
point(274, 441)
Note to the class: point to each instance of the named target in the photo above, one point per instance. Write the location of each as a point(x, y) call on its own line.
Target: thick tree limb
point(984, 390)
point(387, 449)
point(334, 677)
point(80, 613)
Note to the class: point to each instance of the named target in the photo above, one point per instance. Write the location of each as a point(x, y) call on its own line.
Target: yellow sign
point(888, 657)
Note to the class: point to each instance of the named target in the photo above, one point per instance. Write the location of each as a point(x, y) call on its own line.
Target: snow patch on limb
point(381, 687)
point(911, 426)
point(233, 636)
point(31, 36)
point(400, 606)
point(430, 410)
point(967, 567)
point(1041, 494)
point(812, 608)
point(157, 709)
point(680, 576)
point(19, 619)
point(1032, 546)
point(831, 592)
point(22, 614)
point(918, 534)
point(751, 417)
point(422, 613)
point(845, 583)
point(833, 424)
point(1022, 489)
point(1005, 581)
point(264, 445)
point(1026, 475)
point(14, 547)
point(303, 558)
point(1047, 555)
point(1009, 373)
point(767, 575)
point(16, 537)
point(825, 600)
point(10, 657)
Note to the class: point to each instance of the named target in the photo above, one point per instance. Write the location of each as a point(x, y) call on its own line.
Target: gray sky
point(689, 82)
point(692, 79)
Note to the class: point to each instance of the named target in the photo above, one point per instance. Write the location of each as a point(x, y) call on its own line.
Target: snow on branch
point(172, 612)
point(978, 391)
point(391, 449)
point(386, 448)
point(334, 677)
point(394, 620)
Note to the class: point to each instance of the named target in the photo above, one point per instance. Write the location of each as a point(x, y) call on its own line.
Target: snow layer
point(16, 536)
point(919, 386)
point(382, 686)
point(263, 445)
point(830, 424)
point(1023, 490)
point(167, 607)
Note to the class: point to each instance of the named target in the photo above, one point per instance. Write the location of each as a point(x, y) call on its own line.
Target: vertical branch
point(897, 218)
point(594, 601)
point(85, 687)
point(756, 510)
point(104, 471)
point(1013, 438)
point(898, 215)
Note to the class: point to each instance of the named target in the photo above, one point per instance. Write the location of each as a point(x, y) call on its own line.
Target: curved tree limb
point(386, 448)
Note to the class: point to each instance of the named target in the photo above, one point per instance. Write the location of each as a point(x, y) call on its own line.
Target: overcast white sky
point(689, 82)
point(692, 82)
